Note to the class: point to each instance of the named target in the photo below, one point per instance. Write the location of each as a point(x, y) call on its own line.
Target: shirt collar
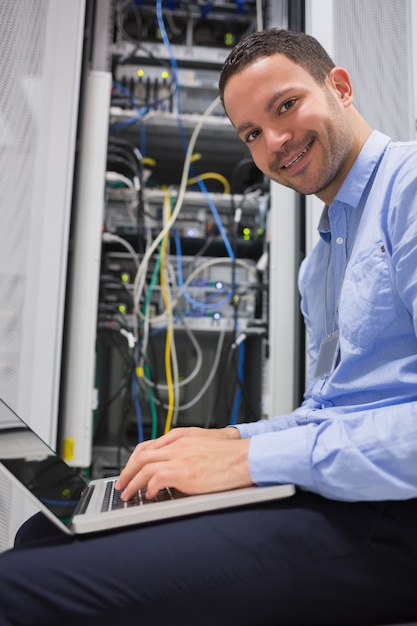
point(353, 186)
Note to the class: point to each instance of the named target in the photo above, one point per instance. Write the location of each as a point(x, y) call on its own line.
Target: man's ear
point(339, 82)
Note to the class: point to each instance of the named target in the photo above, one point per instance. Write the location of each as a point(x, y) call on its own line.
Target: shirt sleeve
point(356, 452)
point(366, 455)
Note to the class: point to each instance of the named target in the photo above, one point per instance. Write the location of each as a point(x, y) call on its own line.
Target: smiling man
point(302, 129)
point(343, 549)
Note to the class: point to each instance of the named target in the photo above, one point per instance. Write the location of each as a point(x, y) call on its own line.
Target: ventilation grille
point(22, 26)
point(373, 42)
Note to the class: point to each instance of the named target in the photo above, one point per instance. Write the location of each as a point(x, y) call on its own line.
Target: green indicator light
point(246, 232)
point(125, 278)
point(66, 493)
point(228, 39)
point(122, 308)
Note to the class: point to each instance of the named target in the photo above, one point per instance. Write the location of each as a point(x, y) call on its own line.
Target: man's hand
point(193, 460)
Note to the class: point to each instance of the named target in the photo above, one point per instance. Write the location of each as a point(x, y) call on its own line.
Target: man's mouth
point(297, 158)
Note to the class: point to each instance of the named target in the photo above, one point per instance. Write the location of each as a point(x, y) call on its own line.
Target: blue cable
point(205, 9)
point(125, 124)
point(132, 120)
point(129, 94)
point(216, 218)
point(199, 305)
point(240, 6)
point(238, 396)
point(184, 141)
point(172, 58)
point(135, 394)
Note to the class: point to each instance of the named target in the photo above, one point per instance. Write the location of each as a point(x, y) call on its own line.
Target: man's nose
point(276, 137)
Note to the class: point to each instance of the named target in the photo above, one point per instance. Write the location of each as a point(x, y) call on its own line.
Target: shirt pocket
point(367, 305)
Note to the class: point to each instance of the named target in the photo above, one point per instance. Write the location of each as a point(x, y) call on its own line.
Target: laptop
point(78, 507)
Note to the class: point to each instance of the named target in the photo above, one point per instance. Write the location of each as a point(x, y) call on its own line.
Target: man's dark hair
point(300, 48)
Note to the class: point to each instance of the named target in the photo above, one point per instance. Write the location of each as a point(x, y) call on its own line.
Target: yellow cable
point(139, 281)
point(149, 161)
point(215, 176)
point(167, 303)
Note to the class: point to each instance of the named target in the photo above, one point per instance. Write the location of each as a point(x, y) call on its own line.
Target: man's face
point(296, 130)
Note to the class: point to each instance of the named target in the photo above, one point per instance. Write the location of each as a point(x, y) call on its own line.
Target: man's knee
point(38, 529)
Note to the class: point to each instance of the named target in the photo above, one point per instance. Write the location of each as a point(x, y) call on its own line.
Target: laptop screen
point(34, 464)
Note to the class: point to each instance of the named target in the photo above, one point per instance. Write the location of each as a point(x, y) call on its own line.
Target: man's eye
point(285, 107)
point(249, 138)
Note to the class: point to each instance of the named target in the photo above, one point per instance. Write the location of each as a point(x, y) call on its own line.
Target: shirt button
point(339, 240)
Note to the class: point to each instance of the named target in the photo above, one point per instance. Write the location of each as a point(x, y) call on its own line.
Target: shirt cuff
point(281, 457)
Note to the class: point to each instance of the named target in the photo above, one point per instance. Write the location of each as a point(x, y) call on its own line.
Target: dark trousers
point(304, 560)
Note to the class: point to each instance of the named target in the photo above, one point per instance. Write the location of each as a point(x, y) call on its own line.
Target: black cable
point(120, 9)
point(122, 442)
point(117, 160)
point(103, 407)
point(122, 152)
point(254, 415)
point(231, 366)
point(244, 174)
point(221, 397)
point(112, 280)
point(152, 375)
point(125, 102)
point(128, 146)
point(205, 246)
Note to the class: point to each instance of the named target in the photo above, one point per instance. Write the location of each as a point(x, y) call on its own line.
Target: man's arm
point(367, 455)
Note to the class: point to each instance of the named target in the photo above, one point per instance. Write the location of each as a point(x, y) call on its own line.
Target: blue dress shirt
point(355, 435)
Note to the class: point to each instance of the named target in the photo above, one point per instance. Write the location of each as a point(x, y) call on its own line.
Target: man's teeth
point(297, 158)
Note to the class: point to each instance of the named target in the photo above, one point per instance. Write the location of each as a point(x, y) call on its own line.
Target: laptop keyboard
point(112, 500)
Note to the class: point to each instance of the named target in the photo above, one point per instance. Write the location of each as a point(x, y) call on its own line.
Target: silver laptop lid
point(53, 484)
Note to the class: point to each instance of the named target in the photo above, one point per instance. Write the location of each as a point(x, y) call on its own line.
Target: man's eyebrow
point(269, 105)
point(277, 96)
point(243, 127)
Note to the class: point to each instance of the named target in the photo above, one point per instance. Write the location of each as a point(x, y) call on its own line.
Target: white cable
point(259, 19)
point(138, 284)
point(220, 261)
point(210, 377)
point(158, 319)
point(196, 346)
point(116, 177)
point(109, 237)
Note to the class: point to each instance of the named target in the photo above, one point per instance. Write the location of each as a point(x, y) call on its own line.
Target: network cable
point(170, 354)
point(199, 180)
point(138, 284)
